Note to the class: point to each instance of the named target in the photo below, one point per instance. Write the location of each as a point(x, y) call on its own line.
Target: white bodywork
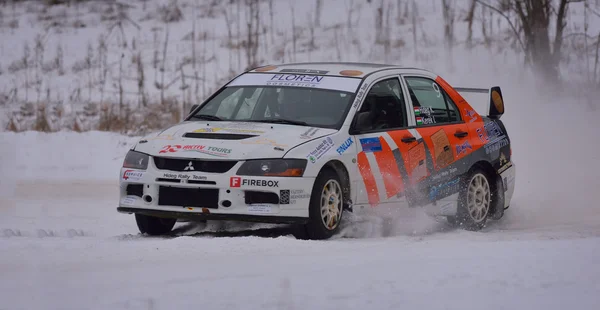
point(277, 141)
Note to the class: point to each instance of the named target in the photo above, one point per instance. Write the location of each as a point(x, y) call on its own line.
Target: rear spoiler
point(496, 101)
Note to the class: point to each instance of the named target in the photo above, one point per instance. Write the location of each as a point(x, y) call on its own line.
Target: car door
point(439, 124)
point(380, 128)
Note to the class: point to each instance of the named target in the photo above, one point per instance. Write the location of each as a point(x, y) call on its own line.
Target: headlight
point(273, 167)
point(136, 160)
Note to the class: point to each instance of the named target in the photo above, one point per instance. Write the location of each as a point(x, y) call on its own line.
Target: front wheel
point(326, 206)
point(154, 226)
point(474, 201)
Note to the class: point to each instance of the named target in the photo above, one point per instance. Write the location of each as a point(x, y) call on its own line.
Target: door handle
point(461, 134)
point(408, 139)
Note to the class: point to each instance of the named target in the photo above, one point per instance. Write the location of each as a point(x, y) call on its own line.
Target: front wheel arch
point(340, 169)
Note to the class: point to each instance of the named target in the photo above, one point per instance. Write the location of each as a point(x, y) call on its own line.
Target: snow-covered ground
point(64, 246)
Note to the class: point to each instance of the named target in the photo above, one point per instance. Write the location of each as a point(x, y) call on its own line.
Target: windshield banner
point(297, 80)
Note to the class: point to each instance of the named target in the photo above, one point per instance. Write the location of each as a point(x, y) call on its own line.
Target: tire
point(498, 199)
point(326, 206)
point(154, 226)
point(474, 202)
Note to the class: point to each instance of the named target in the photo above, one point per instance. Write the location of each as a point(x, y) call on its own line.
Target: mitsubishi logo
point(189, 167)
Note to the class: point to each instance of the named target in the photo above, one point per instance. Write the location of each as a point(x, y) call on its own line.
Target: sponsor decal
point(502, 159)
point(278, 149)
point(344, 146)
point(344, 84)
point(441, 149)
point(306, 71)
point(287, 196)
point(260, 208)
point(493, 133)
point(422, 111)
point(463, 148)
point(295, 80)
point(132, 175)
point(425, 120)
point(208, 150)
point(437, 176)
point(495, 146)
point(482, 135)
point(184, 176)
point(471, 115)
point(128, 200)
point(361, 93)
point(504, 163)
point(447, 208)
point(309, 133)
point(162, 137)
point(370, 145)
point(264, 141)
point(416, 163)
point(239, 182)
point(444, 188)
point(322, 148)
point(228, 130)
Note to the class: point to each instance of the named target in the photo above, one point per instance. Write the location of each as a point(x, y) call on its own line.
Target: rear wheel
point(326, 206)
point(154, 226)
point(474, 202)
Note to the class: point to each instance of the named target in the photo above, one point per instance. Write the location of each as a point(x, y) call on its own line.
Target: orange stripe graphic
point(368, 178)
point(389, 169)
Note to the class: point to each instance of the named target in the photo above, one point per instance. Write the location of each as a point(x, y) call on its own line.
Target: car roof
point(351, 69)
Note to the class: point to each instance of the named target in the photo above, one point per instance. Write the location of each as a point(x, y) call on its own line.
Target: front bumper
point(214, 196)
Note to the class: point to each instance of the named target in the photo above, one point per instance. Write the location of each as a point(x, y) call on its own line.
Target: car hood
point(228, 140)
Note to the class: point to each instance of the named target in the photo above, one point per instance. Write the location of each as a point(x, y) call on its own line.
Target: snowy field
point(64, 246)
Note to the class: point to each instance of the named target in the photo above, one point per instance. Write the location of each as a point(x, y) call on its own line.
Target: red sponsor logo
point(135, 175)
point(209, 150)
point(176, 147)
point(235, 182)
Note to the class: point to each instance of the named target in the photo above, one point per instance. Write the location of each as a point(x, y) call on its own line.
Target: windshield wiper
point(281, 121)
point(207, 117)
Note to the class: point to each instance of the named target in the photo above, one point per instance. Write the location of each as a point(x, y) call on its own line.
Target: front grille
point(188, 197)
point(135, 190)
point(218, 136)
point(213, 166)
point(251, 197)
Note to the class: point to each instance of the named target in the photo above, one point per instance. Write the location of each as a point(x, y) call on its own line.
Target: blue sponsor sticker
point(464, 148)
point(371, 145)
point(447, 187)
point(344, 146)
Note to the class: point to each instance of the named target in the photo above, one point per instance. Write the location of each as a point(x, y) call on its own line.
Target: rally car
point(302, 143)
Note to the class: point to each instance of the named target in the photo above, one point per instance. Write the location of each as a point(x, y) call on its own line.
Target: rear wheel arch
point(495, 184)
point(340, 169)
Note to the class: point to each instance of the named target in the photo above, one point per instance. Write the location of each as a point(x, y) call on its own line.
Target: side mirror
point(194, 106)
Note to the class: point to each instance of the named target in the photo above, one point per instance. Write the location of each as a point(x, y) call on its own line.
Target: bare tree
point(253, 23)
point(318, 8)
point(414, 15)
point(469, 19)
point(534, 18)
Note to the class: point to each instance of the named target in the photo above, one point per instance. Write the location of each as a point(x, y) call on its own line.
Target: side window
point(430, 103)
point(383, 107)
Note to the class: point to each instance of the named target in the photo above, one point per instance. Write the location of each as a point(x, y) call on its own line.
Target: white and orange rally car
point(302, 143)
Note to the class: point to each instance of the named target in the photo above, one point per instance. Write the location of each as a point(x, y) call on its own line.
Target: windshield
point(282, 98)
